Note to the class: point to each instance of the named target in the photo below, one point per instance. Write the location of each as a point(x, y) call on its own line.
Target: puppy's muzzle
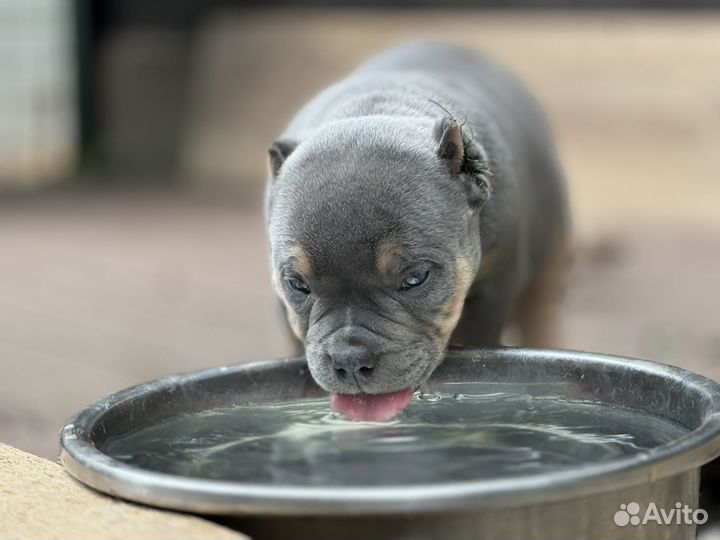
point(353, 353)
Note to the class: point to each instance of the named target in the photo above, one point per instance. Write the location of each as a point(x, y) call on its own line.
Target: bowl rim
point(92, 467)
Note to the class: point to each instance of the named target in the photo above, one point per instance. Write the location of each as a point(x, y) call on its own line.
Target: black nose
point(352, 362)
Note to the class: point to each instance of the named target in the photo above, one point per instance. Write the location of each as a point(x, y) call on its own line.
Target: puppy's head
point(374, 240)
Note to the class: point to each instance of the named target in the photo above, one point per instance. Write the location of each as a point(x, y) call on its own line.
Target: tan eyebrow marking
point(385, 256)
point(302, 260)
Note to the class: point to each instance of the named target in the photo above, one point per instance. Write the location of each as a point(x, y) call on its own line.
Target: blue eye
point(414, 279)
point(298, 285)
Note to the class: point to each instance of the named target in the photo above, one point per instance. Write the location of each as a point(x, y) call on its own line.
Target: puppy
point(416, 203)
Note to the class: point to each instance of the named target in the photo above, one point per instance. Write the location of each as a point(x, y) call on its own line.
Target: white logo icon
point(629, 514)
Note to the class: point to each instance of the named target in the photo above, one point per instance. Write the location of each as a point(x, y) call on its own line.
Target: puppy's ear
point(279, 152)
point(465, 158)
point(452, 148)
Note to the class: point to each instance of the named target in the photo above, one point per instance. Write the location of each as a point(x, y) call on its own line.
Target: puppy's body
point(430, 160)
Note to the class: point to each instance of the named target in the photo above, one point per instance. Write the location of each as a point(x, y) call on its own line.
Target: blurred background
point(133, 141)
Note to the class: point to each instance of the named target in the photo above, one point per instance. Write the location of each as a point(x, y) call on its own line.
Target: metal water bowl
point(577, 502)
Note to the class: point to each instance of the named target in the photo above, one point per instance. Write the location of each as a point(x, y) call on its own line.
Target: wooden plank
point(38, 499)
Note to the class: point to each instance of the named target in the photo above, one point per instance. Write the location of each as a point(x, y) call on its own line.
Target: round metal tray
point(679, 395)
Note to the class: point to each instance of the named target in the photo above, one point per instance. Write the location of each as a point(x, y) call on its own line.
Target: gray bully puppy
point(416, 203)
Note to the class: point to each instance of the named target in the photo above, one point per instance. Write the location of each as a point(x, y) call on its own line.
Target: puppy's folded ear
point(465, 158)
point(279, 152)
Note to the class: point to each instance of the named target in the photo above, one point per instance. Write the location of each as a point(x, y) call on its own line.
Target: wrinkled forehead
point(329, 236)
point(354, 230)
point(340, 198)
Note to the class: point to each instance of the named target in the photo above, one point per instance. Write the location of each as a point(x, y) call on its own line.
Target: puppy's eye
point(414, 279)
point(298, 285)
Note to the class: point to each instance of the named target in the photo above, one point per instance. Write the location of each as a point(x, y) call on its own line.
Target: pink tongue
point(371, 407)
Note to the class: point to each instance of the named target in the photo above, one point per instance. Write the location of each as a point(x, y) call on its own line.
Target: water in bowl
point(437, 438)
